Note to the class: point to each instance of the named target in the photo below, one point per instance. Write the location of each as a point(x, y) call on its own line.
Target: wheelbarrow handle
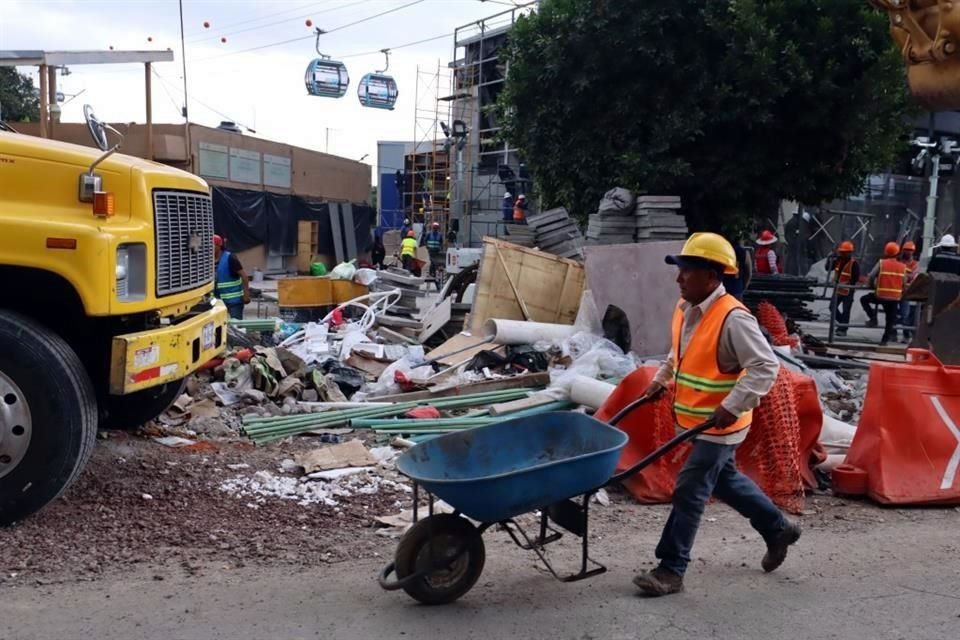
point(630, 408)
point(671, 444)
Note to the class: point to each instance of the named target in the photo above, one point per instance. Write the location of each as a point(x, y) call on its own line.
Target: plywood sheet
point(305, 292)
point(635, 278)
point(549, 286)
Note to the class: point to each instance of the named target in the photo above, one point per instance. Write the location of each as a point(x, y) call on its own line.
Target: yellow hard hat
point(707, 246)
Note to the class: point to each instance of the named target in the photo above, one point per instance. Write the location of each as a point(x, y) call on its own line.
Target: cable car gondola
point(377, 90)
point(325, 77)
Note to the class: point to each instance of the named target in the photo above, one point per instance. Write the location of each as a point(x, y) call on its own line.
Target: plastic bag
point(366, 277)
point(352, 336)
point(344, 271)
point(318, 269)
point(386, 384)
point(594, 357)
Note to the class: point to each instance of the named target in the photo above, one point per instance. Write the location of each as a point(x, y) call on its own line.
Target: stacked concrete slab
point(654, 218)
point(659, 218)
point(521, 234)
point(557, 233)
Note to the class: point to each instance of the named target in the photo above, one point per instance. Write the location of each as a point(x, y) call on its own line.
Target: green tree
point(732, 104)
point(18, 97)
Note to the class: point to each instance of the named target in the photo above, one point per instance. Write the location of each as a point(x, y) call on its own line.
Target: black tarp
point(249, 219)
point(240, 216)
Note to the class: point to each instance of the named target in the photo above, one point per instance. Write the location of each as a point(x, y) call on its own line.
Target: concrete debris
point(348, 454)
point(263, 486)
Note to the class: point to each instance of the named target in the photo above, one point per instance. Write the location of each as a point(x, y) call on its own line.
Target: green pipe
point(391, 424)
point(396, 409)
point(269, 429)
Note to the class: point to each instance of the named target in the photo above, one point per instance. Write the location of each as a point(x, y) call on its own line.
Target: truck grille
point(184, 233)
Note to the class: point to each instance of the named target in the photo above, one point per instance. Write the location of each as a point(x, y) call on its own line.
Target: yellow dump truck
point(106, 276)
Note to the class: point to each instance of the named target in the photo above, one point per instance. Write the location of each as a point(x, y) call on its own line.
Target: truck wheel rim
point(16, 425)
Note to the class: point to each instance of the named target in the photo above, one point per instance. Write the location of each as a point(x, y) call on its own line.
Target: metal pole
point(52, 95)
point(929, 221)
point(183, 56)
point(44, 101)
point(148, 86)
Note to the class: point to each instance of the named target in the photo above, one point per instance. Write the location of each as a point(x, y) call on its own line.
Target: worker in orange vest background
point(887, 278)
point(766, 255)
point(845, 270)
point(722, 366)
point(908, 310)
point(520, 210)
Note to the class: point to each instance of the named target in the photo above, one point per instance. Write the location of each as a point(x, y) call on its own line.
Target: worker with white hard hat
point(945, 258)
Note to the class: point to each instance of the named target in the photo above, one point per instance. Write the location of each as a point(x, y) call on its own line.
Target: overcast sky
point(262, 89)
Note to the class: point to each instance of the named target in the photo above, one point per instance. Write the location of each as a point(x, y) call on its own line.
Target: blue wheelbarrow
point(551, 463)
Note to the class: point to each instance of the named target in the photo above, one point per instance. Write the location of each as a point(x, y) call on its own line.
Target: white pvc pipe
point(522, 332)
point(589, 392)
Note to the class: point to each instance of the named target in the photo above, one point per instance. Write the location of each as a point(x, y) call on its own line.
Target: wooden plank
point(513, 285)
point(304, 292)
point(435, 319)
point(304, 253)
point(344, 290)
point(395, 336)
point(373, 368)
point(550, 286)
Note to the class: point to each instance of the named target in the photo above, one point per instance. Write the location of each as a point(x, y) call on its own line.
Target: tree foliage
point(18, 97)
point(732, 104)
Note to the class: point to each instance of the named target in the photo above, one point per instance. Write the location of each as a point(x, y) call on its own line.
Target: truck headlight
point(131, 272)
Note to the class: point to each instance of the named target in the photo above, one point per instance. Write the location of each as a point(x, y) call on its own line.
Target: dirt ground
point(193, 562)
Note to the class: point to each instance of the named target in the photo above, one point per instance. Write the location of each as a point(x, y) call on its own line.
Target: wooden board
point(549, 285)
point(530, 402)
point(455, 344)
point(304, 292)
point(312, 291)
point(307, 248)
point(435, 319)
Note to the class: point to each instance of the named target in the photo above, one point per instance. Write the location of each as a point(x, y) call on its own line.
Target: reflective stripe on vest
point(434, 242)
point(890, 279)
point(846, 275)
point(408, 247)
point(229, 287)
point(701, 386)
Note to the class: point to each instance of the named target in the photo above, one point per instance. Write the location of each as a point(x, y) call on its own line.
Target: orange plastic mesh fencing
point(770, 455)
point(772, 320)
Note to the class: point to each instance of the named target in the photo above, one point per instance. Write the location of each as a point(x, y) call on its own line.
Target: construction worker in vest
point(887, 279)
point(908, 310)
point(408, 250)
point(520, 210)
point(844, 270)
point(722, 366)
point(767, 260)
point(232, 283)
point(433, 241)
point(945, 258)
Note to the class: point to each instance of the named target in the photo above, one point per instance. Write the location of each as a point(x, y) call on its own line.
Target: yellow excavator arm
point(928, 35)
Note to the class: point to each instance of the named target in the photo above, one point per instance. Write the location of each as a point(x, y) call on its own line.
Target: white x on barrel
point(950, 474)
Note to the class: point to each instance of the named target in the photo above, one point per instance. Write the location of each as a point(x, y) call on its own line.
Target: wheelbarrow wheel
point(446, 540)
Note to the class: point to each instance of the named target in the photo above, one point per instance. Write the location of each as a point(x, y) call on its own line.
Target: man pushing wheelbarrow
point(722, 367)
point(551, 464)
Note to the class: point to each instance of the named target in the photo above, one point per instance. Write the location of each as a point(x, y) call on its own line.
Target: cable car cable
point(301, 38)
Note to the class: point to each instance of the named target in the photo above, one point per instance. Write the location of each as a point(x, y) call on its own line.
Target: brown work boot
point(777, 548)
point(659, 582)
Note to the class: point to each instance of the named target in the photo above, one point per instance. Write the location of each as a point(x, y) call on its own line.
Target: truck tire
point(133, 410)
point(48, 416)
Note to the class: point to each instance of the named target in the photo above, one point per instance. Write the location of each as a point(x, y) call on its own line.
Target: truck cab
point(107, 272)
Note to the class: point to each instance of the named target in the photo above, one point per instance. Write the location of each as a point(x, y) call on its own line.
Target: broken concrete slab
point(635, 278)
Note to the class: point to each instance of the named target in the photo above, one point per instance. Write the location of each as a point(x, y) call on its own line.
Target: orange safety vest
point(845, 275)
point(913, 267)
point(890, 279)
point(701, 386)
point(518, 214)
